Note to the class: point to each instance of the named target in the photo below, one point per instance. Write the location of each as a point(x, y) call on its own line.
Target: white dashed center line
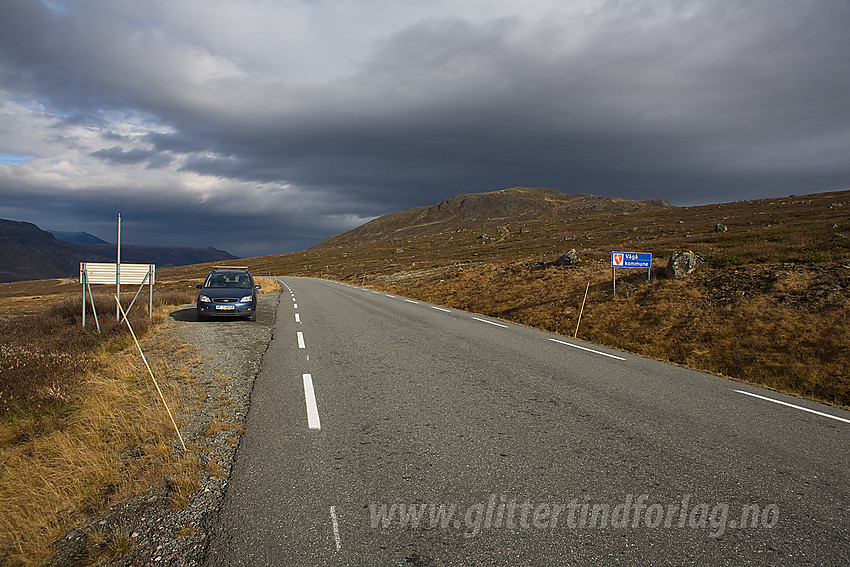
point(301, 340)
point(335, 524)
point(312, 409)
point(587, 349)
point(297, 318)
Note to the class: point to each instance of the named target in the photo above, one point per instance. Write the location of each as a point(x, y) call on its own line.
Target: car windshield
point(238, 281)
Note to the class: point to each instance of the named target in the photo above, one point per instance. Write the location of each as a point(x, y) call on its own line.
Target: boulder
point(682, 264)
point(568, 259)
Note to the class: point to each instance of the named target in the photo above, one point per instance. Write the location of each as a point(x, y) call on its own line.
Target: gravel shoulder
point(228, 357)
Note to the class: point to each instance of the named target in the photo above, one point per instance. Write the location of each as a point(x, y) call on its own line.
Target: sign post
point(118, 273)
point(630, 260)
point(128, 274)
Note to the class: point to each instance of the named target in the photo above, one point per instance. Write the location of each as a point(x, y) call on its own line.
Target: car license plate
point(225, 307)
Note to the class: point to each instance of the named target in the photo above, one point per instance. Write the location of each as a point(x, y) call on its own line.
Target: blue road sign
point(631, 259)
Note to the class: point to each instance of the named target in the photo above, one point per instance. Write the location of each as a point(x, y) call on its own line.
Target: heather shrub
point(43, 355)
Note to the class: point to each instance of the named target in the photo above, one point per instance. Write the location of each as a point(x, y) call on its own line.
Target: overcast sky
point(264, 126)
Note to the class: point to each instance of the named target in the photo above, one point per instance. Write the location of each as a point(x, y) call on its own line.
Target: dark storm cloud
point(694, 102)
point(449, 105)
point(118, 156)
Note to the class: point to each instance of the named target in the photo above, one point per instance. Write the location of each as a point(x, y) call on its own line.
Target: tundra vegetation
point(80, 425)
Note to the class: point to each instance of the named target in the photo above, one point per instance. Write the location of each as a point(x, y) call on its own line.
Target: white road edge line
point(820, 413)
point(411, 301)
point(491, 322)
point(301, 340)
point(335, 523)
point(441, 309)
point(312, 409)
point(587, 349)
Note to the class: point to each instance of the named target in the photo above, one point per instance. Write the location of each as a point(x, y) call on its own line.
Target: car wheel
point(202, 316)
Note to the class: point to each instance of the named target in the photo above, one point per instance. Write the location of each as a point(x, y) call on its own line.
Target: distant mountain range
point(29, 253)
point(77, 237)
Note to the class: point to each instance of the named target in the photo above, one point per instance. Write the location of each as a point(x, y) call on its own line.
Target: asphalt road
point(539, 452)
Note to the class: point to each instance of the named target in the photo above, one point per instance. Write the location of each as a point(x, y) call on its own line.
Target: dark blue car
point(228, 292)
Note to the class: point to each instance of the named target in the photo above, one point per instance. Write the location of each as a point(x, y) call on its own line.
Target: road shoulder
point(169, 523)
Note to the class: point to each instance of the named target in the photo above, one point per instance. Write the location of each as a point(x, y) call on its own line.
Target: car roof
point(230, 271)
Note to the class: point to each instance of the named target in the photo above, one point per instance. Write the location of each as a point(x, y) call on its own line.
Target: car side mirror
point(199, 286)
point(257, 286)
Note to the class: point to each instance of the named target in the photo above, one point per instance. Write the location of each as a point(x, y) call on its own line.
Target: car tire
point(202, 317)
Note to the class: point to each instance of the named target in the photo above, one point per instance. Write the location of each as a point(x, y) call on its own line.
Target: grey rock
point(568, 259)
point(720, 227)
point(682, 264)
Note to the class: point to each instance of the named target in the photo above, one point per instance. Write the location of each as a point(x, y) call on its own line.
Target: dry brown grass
point(81, 427)
point(183, 476)
point(268, 285)
point(217, 425)
point(114, 545)
point(90, 434)
point(18, 298)
point(43, 354)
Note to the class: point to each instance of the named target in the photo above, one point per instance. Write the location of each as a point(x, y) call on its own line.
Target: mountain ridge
point(77, 237)
point(474, 210)
point(30, 253)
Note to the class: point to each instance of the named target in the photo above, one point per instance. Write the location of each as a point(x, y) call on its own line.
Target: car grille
point(225, 300)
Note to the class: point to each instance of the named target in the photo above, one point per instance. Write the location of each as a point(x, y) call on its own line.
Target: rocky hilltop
point(478, 210)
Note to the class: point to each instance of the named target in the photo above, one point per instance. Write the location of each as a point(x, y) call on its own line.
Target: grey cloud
point(688, 101)
point(117, 155)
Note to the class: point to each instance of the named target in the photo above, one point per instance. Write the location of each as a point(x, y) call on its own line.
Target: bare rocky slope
point(517, 204)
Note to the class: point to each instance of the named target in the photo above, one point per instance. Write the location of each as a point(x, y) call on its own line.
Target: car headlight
point(204, 299)
point(247, 299)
